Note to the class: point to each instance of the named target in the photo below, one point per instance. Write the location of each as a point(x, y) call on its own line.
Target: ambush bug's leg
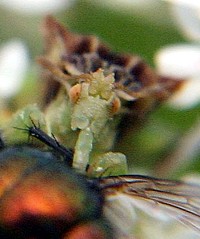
point(82, 151)
point(108, 164)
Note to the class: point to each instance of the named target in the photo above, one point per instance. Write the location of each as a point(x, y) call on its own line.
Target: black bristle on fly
point(36, 132)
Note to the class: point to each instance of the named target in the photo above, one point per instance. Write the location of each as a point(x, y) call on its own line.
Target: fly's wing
point(162, 199)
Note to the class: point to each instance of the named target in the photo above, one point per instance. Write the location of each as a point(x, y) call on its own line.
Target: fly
point(174, 199)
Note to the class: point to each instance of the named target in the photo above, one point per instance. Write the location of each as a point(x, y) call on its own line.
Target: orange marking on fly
point(38, 201)
point(11, 171)
point(87, 231)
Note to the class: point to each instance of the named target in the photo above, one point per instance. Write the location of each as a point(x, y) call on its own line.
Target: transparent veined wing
point(162, 199)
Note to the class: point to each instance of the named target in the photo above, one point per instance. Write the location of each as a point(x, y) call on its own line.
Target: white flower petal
point(13, 65)
point(188, 20)
point(187, 16)
point(189, 3)
point(36, 6)
point(181, 61)
point(188, 96)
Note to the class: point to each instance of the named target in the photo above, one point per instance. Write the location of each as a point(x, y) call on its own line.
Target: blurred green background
point(138, 31)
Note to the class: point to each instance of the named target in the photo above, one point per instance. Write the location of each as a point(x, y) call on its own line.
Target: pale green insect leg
point(108, 164)
point(83, 148)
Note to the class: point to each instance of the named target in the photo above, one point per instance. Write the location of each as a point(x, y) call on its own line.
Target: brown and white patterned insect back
point(69, 54)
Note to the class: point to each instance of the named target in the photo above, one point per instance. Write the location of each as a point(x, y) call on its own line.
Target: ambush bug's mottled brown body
point(136, 83)
point(69, 54)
